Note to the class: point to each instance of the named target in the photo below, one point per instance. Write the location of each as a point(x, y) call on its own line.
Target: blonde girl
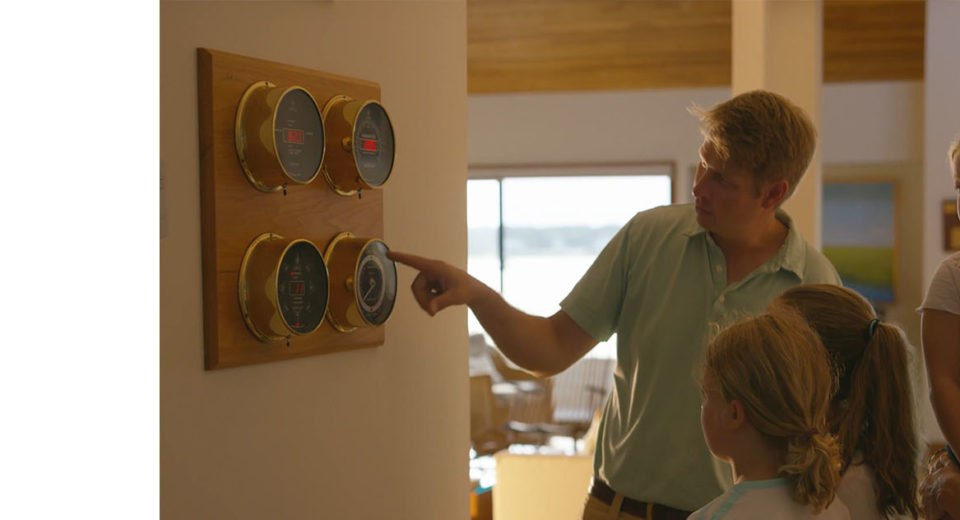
point(766, 388)
point(872, 413)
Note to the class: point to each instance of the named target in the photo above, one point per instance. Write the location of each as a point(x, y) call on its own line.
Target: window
point(533, 232)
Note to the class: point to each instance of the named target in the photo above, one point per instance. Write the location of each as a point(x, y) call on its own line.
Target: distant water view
point(536, 284)
point(552, 228)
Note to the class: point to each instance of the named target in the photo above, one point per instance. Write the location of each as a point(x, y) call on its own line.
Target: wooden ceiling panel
point(873, 40)
point(570, 45)
point(531, 45)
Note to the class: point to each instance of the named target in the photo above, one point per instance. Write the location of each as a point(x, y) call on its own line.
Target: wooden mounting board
point(233, 212)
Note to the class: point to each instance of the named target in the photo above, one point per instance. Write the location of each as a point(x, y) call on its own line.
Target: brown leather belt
point(645, 510)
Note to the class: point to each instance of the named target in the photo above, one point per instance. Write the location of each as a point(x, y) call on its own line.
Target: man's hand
point(438, 284)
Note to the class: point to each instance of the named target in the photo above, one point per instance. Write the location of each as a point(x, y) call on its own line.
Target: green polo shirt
point(661, 285)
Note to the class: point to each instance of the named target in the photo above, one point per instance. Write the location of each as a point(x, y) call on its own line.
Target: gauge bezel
point(361, 301)
point(361, 304)
point(341, 170)
point(343, 256)
point(355, 151)
point(259, 103)
point(276, 286)
point(259, 268)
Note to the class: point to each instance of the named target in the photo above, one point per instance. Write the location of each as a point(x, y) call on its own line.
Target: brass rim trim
point(327, 255)
point(336, 188)
point(339, 98)
point(323, 128)
point(243, 291)
point(240, 137)
point(326, 303)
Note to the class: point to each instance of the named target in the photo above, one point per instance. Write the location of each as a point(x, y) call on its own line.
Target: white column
point(778, 46)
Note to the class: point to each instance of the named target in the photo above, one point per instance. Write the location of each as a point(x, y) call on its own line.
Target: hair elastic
point(807, 435)
point(871, 329)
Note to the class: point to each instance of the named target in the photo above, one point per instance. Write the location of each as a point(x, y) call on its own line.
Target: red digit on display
point(295, 136)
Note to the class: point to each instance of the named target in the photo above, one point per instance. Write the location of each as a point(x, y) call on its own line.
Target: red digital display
point(294, 136)
point(297, 287)
point(368, 145)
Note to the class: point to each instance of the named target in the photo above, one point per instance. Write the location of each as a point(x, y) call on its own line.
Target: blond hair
point(775, 366)
point(952, 155)
point(762, 132)
point(872, 412)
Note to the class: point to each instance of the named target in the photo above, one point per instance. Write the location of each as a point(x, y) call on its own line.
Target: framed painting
point(951, 226)
point(859, 235)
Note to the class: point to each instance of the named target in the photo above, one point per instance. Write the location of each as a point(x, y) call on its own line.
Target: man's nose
point(698, 186)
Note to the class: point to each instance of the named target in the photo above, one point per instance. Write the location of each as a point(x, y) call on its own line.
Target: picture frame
point(951, 226)
point(859, 235)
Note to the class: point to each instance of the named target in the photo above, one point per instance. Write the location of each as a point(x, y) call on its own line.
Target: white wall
point(879, 122)
point(595, 127)
point(375, 433)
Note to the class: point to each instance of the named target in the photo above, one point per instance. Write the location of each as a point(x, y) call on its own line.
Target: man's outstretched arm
point(544, 346)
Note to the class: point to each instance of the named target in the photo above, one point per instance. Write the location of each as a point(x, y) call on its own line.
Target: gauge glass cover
point(373, 144)
point(376, 287)
point(302, 287)
point(298, 135)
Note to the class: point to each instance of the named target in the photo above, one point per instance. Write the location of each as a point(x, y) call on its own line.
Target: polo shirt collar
point(791, 256)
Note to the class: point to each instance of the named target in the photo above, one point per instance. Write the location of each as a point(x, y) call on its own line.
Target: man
point(668, 280)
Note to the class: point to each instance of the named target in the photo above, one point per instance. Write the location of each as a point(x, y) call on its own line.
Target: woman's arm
point(941, 351)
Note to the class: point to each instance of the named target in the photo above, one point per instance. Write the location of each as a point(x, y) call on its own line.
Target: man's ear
point(775, 193)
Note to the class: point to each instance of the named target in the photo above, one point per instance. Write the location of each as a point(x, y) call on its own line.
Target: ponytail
point(880, 421)
point(872, 413)
point(813, 469)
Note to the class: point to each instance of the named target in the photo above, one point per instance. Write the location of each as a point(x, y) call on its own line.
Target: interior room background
point(330, 433)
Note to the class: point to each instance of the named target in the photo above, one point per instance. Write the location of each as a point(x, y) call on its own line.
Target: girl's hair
point(954, 150)
point(872, 412)
point(775, 366)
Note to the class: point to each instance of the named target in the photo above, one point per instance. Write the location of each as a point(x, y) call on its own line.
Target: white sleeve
point(856, 493)
point(944, 291)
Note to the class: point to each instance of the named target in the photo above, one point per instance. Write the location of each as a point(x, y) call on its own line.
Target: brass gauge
point(360, 144)
point(279, 136)
point(283, 287)
point(363, 282)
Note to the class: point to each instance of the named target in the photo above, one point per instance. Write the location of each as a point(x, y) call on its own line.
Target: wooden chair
point(562, 405)
point(488, 434)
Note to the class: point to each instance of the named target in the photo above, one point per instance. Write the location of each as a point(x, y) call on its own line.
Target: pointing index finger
point(417, 262)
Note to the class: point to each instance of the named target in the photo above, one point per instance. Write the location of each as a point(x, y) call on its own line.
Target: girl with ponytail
point(766, 388)
point(872, 413)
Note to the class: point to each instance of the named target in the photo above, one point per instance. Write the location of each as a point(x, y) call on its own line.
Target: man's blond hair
point(763, 133)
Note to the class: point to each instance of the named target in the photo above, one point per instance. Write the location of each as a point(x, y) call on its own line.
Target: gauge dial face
point(298, 135)
point(302, 287)
point(373, 144)
point(376, 283)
